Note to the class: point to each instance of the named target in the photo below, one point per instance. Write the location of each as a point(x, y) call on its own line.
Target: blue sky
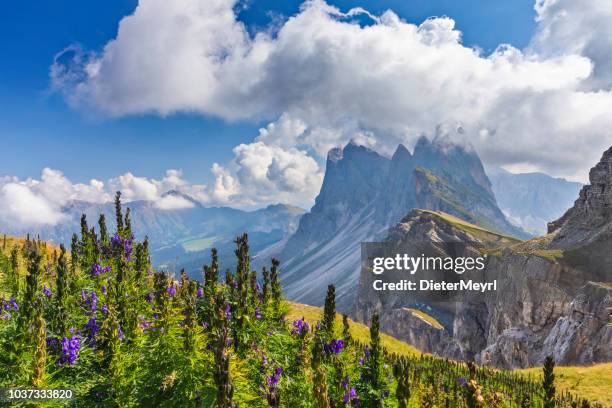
point(39, 130)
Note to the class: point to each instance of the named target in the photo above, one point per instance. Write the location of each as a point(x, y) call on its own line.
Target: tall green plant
point(329, 312)
point(548, 382)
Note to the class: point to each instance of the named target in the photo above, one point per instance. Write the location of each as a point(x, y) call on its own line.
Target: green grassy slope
point(592, 382)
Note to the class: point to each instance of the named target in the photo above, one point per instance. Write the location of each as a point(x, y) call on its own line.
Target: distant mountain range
point(532, 200)
point(182, 238)
point(365, 193)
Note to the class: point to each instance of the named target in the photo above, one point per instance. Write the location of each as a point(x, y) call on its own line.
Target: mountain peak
point(335, 155)
point(353, 146)
point(401, 153)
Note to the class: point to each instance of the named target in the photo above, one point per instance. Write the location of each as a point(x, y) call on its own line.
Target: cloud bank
point(259, 175)
point(320, 79)
point(36, 203)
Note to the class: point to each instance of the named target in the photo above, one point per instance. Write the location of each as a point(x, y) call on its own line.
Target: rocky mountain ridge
point(364, 193)
point(555, 296)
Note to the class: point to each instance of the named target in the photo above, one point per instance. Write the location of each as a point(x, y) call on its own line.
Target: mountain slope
point(531, 200)
point(364, 193)
point(555, 296)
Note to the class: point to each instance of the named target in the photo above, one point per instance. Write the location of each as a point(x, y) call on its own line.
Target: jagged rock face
point(325, 248)
point(585, 333)
point(363, 194)
point(398, 189)
point(453, 162)
point(543, 307)
point(592, 211)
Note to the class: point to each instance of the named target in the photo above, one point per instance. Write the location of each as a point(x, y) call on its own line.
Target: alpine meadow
point(99, 321)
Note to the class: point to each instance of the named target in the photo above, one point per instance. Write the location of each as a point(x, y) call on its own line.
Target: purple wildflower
point(105, 309)
point(95, 270)
point(70, 350)
point(200, 293)
point(11, 305)
point(127, 247)
point(351, 396)
point(104, 289)
point(144, 324)
point(92, 301)
point(106, 269)
point(46, 291)
point(149, 297)
point(120, 333)
point(258, 313)
point(91, 329)
point(345, 382)
point(5, 316)
point(273, 379)
point(116, 241)
point(462, 381)
point(228, 311)
point(335, 346)
point(300, 326)
point(171, 291)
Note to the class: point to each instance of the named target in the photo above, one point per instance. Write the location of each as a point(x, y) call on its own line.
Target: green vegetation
point(100, 321)
point(593, 382)
point(478, 232)
point(426, 318)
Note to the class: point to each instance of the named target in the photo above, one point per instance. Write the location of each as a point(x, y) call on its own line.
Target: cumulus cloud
point(580, 28)
point(34, 202)
point(38, 202)
point(260, 173)
point(23, 207)
point(322, 79)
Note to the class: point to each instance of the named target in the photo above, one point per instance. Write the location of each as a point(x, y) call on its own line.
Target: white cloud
point(580, 28)
point(322, 79)
point(134, 188)
point(263, 174)
point(173, 202)
point(21, 206)
point(36, 202)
